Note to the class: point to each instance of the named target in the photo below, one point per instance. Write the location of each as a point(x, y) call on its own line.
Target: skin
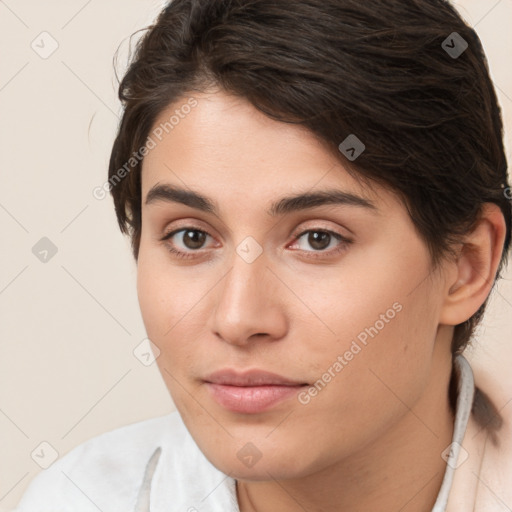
point(372, 438)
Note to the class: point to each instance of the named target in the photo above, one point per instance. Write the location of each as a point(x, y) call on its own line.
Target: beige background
point(68, 327)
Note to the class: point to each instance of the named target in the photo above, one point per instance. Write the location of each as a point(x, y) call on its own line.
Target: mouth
point(252, 391)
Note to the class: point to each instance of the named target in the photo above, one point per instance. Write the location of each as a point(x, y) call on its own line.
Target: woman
point(316, 195)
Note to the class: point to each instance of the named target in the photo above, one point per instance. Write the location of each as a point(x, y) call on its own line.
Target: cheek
point(382, 318)
point(384, 339)
point(165, 296)
point(364, 299)
point(174, 306)
point(155, 301)
point(164, 302)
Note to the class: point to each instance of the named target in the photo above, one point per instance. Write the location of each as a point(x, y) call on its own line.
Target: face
point(286, 327)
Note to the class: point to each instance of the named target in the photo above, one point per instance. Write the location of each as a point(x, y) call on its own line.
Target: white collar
point(465, 394)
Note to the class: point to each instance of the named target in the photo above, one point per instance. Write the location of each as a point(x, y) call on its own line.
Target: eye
point(320, 240)
point(189, 241)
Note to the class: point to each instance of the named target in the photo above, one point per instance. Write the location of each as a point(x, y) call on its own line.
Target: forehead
point(226, 147)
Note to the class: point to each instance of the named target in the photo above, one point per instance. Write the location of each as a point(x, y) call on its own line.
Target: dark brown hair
point(429, 119)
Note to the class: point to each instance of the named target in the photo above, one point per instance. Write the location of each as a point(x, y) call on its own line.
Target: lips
point(252, 391)
point(229, 377)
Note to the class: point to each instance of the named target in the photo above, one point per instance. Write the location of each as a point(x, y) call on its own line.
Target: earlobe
point(476, 267)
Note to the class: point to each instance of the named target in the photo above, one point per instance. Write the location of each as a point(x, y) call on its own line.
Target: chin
point(243, 461)
point(259, 472)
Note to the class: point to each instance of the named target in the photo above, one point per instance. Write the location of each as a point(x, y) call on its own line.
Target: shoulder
point(106, 471)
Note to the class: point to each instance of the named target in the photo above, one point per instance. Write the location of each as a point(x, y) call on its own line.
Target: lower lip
point(250, 399)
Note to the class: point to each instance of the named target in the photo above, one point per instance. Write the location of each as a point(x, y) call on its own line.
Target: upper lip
point(255, 377)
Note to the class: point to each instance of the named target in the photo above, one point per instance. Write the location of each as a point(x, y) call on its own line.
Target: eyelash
point(344, 243)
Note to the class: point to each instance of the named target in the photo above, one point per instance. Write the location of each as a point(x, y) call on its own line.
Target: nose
point(247, 304)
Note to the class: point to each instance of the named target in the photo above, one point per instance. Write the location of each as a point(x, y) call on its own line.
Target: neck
point(401, 470)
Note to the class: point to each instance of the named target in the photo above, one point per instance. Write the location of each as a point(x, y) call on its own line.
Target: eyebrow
point(287, 204)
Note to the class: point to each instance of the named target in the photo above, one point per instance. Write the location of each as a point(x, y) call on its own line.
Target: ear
point(475, 267)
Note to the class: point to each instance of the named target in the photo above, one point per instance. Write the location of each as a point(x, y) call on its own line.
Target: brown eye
point(321, 243)
point(185, 241)
point(319, 240)
point(193, 238)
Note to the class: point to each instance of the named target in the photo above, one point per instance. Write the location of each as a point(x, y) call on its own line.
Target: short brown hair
point(429, 119)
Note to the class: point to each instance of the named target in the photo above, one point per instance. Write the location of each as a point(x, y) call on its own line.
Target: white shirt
point(156, 466)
